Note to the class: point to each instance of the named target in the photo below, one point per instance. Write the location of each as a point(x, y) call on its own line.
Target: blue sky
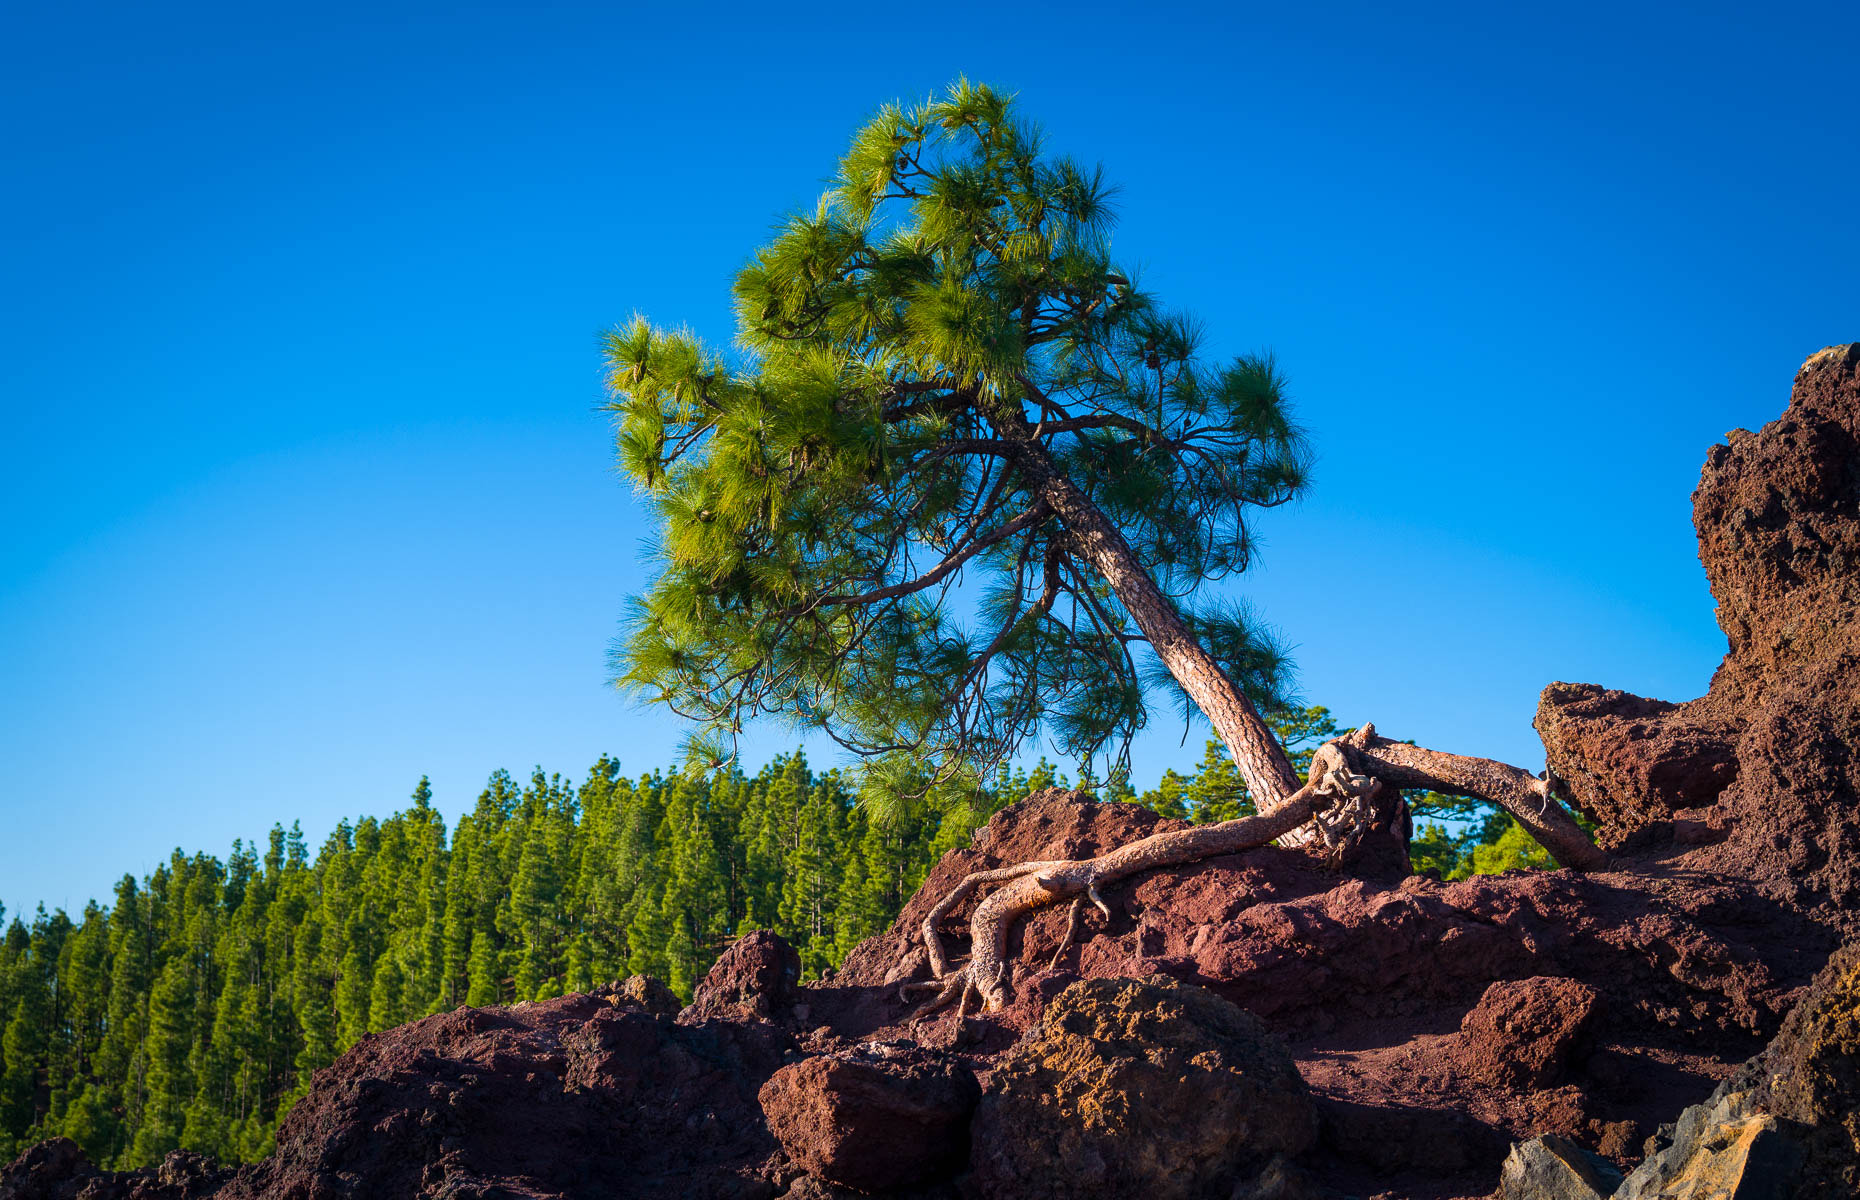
point(306, 489)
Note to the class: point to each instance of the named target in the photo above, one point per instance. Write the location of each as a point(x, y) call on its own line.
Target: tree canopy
point(959, 478)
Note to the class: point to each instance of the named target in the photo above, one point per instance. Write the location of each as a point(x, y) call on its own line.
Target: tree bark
point(1261, 761)
point(1334, 806)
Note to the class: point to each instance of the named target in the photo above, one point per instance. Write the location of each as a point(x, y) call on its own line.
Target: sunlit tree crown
point(854, 534)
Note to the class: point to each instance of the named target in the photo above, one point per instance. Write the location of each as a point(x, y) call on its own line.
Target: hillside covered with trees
point(192, 1010)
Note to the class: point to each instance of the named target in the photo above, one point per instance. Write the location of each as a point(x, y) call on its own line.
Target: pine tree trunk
point(1261, 761)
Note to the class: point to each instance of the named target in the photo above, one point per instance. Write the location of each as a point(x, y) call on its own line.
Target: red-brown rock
point(575, 1097)
point(1765, 762)
point(1631, 761)
point(878, 1118)
point(1146, 1088)
point(754, 977)
point(1523, 1033)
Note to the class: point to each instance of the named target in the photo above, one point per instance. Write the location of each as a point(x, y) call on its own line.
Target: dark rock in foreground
point(1140, 1088)
point(1554, 1168)
point(56, 1169)
point(585, 1096)
point(878, 1118)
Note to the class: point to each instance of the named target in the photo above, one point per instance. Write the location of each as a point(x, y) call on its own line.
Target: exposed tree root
point(1335, 808)
point(1072, 931)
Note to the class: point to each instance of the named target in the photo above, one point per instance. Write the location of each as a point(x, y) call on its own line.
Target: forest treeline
point(194, 1008)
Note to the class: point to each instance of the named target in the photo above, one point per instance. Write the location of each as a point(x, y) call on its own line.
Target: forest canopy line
point(192, 1010)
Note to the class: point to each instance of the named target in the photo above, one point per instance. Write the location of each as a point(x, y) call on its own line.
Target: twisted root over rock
point(1333, 810)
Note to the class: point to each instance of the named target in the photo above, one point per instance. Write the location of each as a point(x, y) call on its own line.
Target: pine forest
point(192, 1010)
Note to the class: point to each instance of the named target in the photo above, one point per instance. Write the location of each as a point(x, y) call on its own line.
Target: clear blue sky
point(306, 491)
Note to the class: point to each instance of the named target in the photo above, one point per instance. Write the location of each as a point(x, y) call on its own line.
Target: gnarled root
point(1530, 800)
point(1335, 809)
point(1072, 931)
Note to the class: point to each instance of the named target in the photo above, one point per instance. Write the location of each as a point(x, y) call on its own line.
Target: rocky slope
point(1255, 1025)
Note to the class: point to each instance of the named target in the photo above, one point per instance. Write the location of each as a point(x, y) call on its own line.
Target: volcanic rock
point(1147, 1088)
point(1522, 1033)
point(1786, 1124)
point(57, 1169)
point(1554, 1168)
point(568, 1097)
point(54, 1169)
point(754, 977)
point(645, 992)
point(1723, 1150)
point(1761, 770)
point(1810, 1077)
point(1631, 761)
point(878, 1118)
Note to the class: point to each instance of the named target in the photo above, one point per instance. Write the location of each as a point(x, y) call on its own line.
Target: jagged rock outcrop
point(56, 1169)
point(754, 977)
point(1761, 771)
point(1810, 1077)
point(585, 1096)
point(1139, 1088)
point(1786, 1124)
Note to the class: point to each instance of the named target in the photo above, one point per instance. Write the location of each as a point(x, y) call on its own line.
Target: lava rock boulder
point(1140, 1087)
point(1523, 1032)
point(754, 977)
point(877, 1118)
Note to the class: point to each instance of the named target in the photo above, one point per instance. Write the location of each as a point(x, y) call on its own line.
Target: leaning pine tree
point(958, 490)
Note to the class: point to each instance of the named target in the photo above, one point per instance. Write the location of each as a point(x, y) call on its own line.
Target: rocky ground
point(1256, 1025)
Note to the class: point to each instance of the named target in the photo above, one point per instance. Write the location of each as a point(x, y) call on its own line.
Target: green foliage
point(193, 1011)
point(858, 528)
point(1490, 846)
point(1215, 792)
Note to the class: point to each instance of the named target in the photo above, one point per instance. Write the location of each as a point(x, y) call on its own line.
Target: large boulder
point(1554, 1168)
point(1149, 1088)
point(877, 1118)
point(1631, 761)
point(1523, 1033)
point(754, 977)
point(587, 1096)
point(1723, 1149)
